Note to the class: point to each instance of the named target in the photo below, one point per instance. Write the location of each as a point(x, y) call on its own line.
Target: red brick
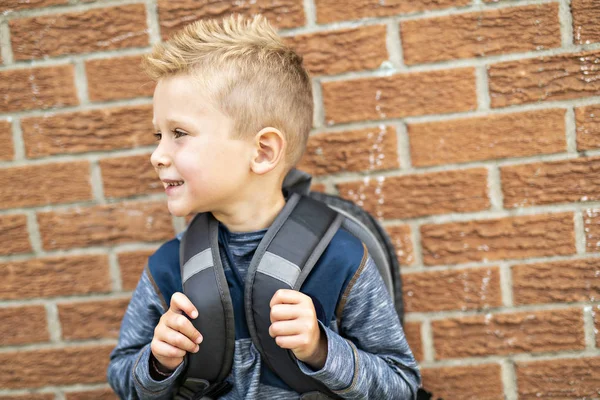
point(591, 226)
point(361, 150)
point(29, 396)
point(498, 239)
point(99, 394)
point(54, 276)
point(588, 127)
point(400, 95)
point(481, 382)
point(17, 5)
point(550, 182)
point(402, 241)
point(561, 77)
point(472, 288)
point(174, 15)
point(6, 151)
point(37, 185)
point(411, 196)
point(84, 131)
point(479, 34)
point(559, 378)
point(557, 282)
point(333, 10)
point(79, 32)
point(22, 325)
point(105, 225)
point(14, 234)
point(412, 330)
point(132, 264)
point(486, 138)
point(117, 78)
point(344, 50)
point(92, 319)
point(497, 334)
point(318, 187)
point(586, 15)
point(596, 314)
point(31, 88)
point(129, 176)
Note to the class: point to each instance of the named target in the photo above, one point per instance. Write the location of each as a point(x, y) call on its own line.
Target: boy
point(232, 110)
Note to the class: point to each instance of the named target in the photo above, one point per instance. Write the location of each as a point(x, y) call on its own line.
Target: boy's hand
point(175, 335)
point(295, 327)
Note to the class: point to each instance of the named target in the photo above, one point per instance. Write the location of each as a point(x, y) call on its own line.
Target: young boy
point(232, 111)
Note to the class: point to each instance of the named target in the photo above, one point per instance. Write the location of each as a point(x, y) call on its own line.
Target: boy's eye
point(158, 135)
point(177, 133)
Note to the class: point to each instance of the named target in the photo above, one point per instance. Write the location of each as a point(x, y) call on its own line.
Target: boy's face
point(195, 151)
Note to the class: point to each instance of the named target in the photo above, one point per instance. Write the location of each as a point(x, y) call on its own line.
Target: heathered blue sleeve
point(370, 357)
point(129, 369)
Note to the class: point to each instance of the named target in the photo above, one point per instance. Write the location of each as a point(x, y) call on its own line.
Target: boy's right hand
point(175, 335)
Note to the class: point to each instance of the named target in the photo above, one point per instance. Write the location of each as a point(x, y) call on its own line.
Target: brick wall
point(471, 128)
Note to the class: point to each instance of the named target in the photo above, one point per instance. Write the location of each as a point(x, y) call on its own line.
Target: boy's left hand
point(294, 326)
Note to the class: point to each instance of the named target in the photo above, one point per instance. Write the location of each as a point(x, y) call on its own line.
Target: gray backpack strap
point(283, 260)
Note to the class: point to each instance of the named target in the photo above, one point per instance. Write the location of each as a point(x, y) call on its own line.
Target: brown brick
point(129, 176)
point(66, 366)
point(29, 396)
point(557, 282)
point(83, 131)
point(481, 382)
point(563, 181)
point(37, 185)
point(54, 276)
point(318, 187)
point(344, 50)
point(586, 15)
point(79, 32)
point(559, 378)
point(333, 10)
point(17, 5)
point(6, 151)
point(416, 195)
point(105, 225)
point(596, 315)
point(24, 324)
point(131, 264)
point(412, 330)
point(561, 77)
point(361, 150)
point(485, 138)
point(14, 234)
point(31, 88)
point(402, 241)
point(591, 225)
point(99, 394)
point(117, 78)
point(498, 239)
point(588, 127)
point(522, 332)
point(479, 34)
point(174, 15)
point(92, 319)
point(400, 95)
point(472, 288)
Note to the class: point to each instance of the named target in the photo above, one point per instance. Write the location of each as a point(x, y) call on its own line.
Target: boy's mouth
point(171, 183)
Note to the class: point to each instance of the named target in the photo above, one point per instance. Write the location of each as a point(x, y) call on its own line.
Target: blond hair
point(249, 73)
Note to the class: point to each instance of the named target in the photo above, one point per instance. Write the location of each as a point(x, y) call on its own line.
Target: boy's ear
point(269, 150)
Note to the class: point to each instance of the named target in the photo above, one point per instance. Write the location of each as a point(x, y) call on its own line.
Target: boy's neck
point(253, 214)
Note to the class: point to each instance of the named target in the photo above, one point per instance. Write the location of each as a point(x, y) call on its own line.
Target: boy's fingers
point(180, 323)
point(287, 296)
point(285, 312)
point(163, 349)
point(180, 303)
point(284, 328)
point(180, 341)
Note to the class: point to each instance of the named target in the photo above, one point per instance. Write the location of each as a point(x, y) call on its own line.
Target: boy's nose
point(159, 158)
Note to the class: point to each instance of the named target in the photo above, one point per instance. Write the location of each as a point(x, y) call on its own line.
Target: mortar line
point(571, 130)
point(509, 379)
point(427, 341)
point(566, 22)
point(54, 327)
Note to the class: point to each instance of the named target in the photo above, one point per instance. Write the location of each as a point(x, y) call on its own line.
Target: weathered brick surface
point(472, 288)
point(99, 394)
point(67, 366)
point(561, 77)
point(31, 88)
point(591, 226)
point(6, 151)
point(37, 185)
point(344, 50)
point(14, 234)
point(361, 150)
point(484, 138)
point(596, 314)
point(481, 382)
point(117, 78)
point(131, 264)
point(559, 379)
point(81, 32)
point(551, 182)
point(54, 276)
point(333, 10)
point(588, 127)
point(401, 95)
point(105, 225)
point(91, 319)
point(554, 282)
point(412, 330)
point(478, 34)
point(416, 195)
point(497, 334)
point(23, 324)
point(497, 239)
point(17, 5)
point(402, 241)
point(129, 176)
point(29, 396)
point(586, 15)
point(173, 15)
point(318, 187)
point(83, 131)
